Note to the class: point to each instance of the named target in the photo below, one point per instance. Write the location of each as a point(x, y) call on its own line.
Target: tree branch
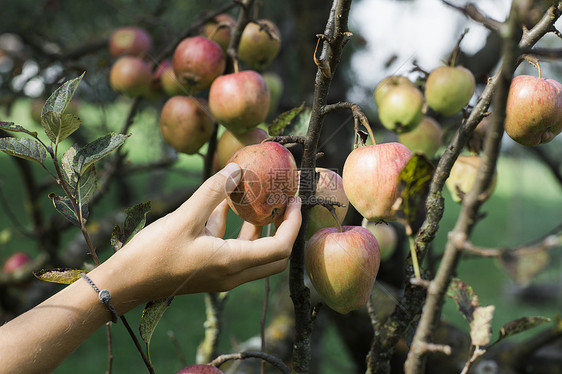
point(511, 34)
point(335, 35)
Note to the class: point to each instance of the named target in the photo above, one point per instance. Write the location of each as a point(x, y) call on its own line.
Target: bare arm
point(180, 253)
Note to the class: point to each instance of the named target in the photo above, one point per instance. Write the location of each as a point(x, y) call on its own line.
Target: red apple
point(185, 123)
point(229, 143)
point(386, 237)
point(426, 138)
point(197, 62)
point(387, 84)
point(131, 41)
point(448, 89)
point(239, 101)
point(131, 76)
point(15, 262)
point(259, 44)
point(200, 369)
point(219, 29)
point(463, 176)
point(329, 187)
point(343, 266)
point(401, 108)
point(534, 110)
point(269, 180)
point(370, 178)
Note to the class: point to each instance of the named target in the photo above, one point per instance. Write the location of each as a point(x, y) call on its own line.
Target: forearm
point(40, 339)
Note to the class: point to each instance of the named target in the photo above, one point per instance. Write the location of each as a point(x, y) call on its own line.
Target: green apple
point(463, 177)
point(387, 84)
point(259, 44)
point(386, 237)
point(401, 108)
point(448, 89)
point(426, 138)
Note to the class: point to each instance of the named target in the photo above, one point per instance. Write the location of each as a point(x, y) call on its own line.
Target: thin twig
point(250, 354)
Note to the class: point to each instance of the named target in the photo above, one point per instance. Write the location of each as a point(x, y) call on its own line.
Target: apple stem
point(235, 64)
point(333, 212)
point(533, 61)
point(414, 256)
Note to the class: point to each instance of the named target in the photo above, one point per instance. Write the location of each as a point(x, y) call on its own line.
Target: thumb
point(209, 195)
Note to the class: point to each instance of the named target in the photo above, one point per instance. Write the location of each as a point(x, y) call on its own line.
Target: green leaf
point(87, 186)
point(10, 126)
point(135, 221)
point(97, 150)
point(464, 296)
point(520, 325)
point(278, 125)
point(481, 325)
point(413, 187)
point(63, 276)
point(115, 239)
point(58, 101)
point(64, 206)
point(300, 126)
point(67, 165)
point(524, 266)
point(29, 149)
point(59, 126)
point(151, 315)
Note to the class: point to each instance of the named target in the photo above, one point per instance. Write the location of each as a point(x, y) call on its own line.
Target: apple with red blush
point(342, 266)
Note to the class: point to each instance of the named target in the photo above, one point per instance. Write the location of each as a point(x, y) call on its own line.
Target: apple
point(343, 265)
point(476, 142)
point(185, 123)
point(387, 84)
point(260, 43)
point(463, 176)
point(239, 101)
point(401, 108)
point(219, 29)
point(131, 76)
point(229, 143)
point(329, 187)
point(15, 262)
point(426, 138)
point(534, 110)
point(448, 89)
point(197, 62)
point(170, 83)
point(386, 237)
point(275, 85)
point(200, 369)
point(269, 180)
point(130, 41)
point(370, 178)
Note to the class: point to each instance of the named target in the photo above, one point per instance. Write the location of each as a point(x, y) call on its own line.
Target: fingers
point(216, 224)
point(249, 231)
point(269, 249)
point(207, 197)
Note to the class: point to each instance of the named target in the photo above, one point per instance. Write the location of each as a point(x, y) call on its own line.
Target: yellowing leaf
point(63, 276)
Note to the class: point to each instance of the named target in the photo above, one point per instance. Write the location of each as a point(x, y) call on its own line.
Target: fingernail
point(233, 173)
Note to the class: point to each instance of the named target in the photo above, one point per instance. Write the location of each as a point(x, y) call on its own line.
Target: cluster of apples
point(239, 101)
point(131, 73)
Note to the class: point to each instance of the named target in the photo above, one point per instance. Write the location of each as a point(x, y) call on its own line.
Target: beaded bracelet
point(105, 298)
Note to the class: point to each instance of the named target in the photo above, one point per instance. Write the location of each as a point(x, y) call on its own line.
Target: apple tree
point(264, 84)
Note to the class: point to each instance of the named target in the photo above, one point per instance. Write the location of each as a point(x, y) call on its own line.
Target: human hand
point(184, 252)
